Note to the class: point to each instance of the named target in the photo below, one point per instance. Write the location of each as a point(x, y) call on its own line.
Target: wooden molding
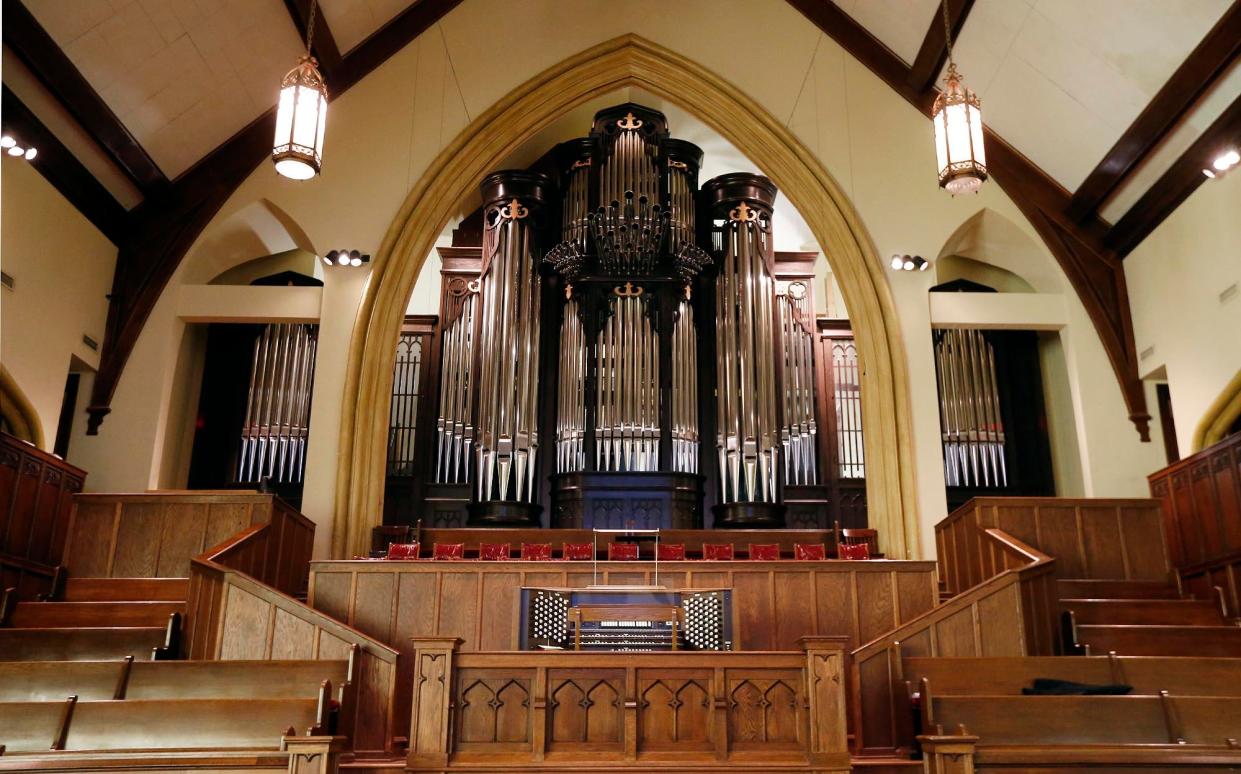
point(32, 44)
point(62, 169)
point(1206, 63)
point(323, 44)
point(1177, 183)
point(1091, 265)
point(163, 229)
point(934, 51)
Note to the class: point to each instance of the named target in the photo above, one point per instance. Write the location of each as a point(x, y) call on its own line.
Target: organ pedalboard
point(627, 619)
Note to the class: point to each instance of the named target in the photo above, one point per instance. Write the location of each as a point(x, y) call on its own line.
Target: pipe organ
point(626, 314)
point(277, 418)
point(969, 409)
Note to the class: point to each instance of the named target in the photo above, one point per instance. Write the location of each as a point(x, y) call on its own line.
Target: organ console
point(626, 355)
point(626, 619)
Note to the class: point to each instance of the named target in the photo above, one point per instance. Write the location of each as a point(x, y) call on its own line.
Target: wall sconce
point(910, 263)
point(346, 258)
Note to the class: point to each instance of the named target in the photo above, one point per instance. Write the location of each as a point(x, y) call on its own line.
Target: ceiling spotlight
point(7, 142)
point(910, 263)
point(16, 150)
point(1223, 163)
point(31, 153)
point(346, 258)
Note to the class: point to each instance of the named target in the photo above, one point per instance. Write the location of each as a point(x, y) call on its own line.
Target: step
point(1222, 641)
point(1115, 589)
point(64, 615)
point(1186, 612)
point(126, 589)
point(79, 644)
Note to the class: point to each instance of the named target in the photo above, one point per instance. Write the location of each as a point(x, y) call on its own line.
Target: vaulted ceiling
point(1101, 113)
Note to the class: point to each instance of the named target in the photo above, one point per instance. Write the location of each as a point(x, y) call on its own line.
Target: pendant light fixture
point(958, 129)
point(301, 115)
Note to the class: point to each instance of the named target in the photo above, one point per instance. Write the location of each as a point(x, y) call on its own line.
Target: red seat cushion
point(717, 552)
point(448, 551)
point(622, 552)
point(494, 552)
point(403, 550)
point(809, 552)
point(578, 552)
point(854, 551)
point(764, 552)
point(536, 552)
point(671, 552)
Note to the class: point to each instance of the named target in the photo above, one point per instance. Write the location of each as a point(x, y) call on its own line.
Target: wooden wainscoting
point(233, 616)
point(156, 534)
point(1089, 538)
point(1011, 612)
point(1200, 498)
point(36, 497)
point(531, 711)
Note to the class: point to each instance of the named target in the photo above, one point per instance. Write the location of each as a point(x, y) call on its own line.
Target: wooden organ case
point(628, 353)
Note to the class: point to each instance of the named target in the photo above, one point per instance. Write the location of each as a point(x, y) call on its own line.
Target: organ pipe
point(798, 433)
point(627, 397)
point(454, 427)
point(969, 409)
point(747, 431)
point(571, 409)
point(684, 390)
point(277, 418)
point(507, 432)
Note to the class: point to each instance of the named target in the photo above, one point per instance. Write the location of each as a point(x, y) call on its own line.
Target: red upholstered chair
point(717, 552)
point(536, 552)
point(622, 552)
point(853, 551)
point(857, 536)
point(448, 551)
point(764, 552)
point(403, 550)
point(671, 552)
point(578, 552)
point(809, 552)
point(494, 552)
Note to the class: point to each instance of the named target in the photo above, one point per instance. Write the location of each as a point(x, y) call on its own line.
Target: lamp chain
point(314, 6)
point(947, 35)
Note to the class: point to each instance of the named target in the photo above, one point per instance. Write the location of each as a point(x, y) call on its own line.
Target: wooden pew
point(218, 724)
point(1183, 612)
point(148, 680)
point(79, 644)
point(125, 589)
point(1180, 676)
point(1222, 641)
point(62, 615)
point(1114, 589)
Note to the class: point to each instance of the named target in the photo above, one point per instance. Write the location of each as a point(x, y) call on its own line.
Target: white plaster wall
point(383, 133)
point(1175, 280)
point(62, 269)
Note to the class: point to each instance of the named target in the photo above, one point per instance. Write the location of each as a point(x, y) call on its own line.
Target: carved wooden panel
point(764, 711)
point(493, 710)
point(585, 709)
point(675, 712)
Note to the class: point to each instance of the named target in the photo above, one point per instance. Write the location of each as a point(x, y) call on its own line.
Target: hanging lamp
point(957, 116)
point(301, 115)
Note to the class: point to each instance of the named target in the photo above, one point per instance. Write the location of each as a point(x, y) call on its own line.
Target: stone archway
point(628, 61)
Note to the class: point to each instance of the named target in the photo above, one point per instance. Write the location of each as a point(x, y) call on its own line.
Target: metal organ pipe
point(273, 438)
point(748, 433)
point(798, 432)
point(684, 390)
point(454, 429)
point(509, 345)
point(969, 408)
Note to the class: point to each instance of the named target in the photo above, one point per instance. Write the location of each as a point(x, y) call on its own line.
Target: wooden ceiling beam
point(323, 44)
point(1200, 70)
point(1093, 268)
point(934, 50)
point(62, 169)
point(1177, 183)
point(164, 229)
point(24, 35)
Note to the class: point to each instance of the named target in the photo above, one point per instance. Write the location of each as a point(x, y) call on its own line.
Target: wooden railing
point(36, 496)
point(156, 534)
point(1089, 538)
point(1200, 499)
point(1011, 611)
point(235, 612)
point(704, 710)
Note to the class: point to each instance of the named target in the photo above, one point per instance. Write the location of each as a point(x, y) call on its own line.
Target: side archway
point(482, 146)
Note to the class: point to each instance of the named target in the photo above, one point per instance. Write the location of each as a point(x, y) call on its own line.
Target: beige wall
point(384, 132)
point(62, 270)
point(1176, 278)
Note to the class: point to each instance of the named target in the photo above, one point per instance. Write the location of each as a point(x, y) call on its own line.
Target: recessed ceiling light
point(7, 142)
point(16, 150)
point(31, 153)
